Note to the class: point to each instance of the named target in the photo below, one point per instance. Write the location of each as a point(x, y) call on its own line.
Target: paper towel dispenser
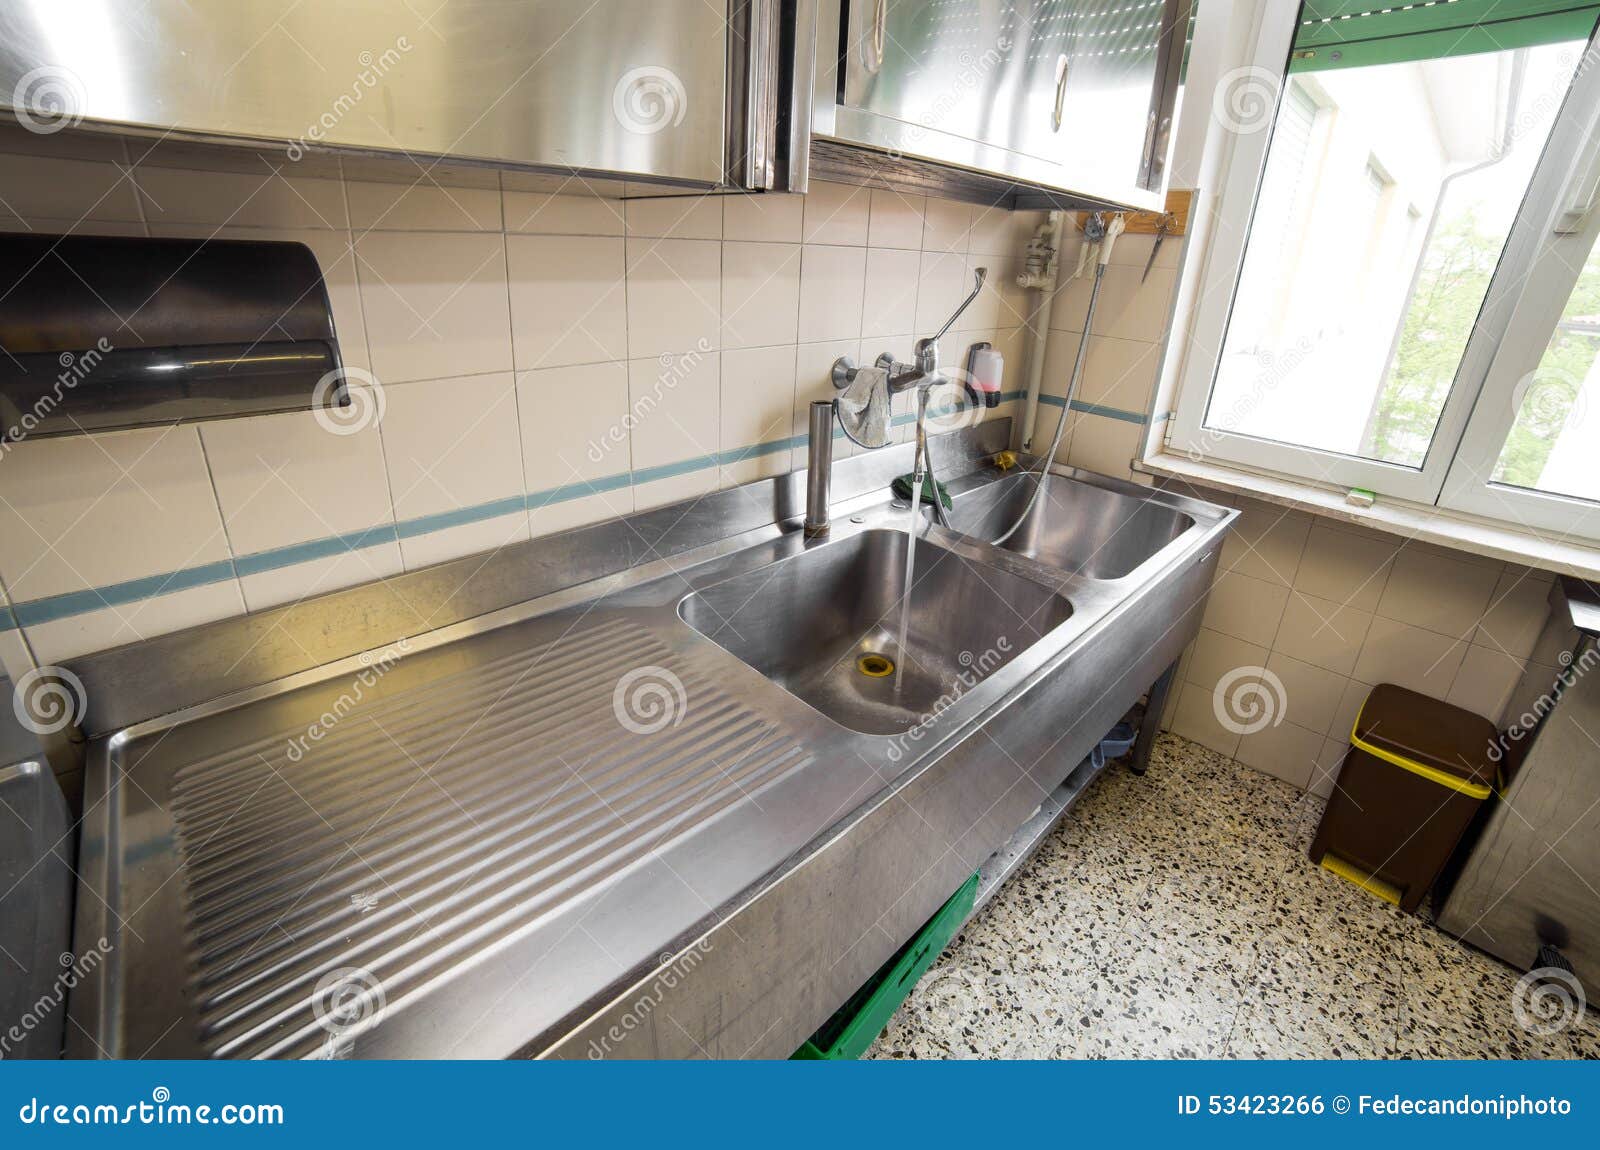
point(106, 332)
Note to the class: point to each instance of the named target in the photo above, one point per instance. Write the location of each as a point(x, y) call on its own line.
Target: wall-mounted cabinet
point(1071, 96)
point(995, 100)
point(658, 90)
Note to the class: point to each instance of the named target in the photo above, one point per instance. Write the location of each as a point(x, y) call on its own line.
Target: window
point(1417, 304)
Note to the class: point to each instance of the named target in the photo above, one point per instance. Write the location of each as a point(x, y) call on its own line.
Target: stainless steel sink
point(1075, 526)
point(822, 624)
point(578, 753)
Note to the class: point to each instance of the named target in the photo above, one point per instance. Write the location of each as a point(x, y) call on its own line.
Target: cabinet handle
point(1061, 94)
point(873, 50)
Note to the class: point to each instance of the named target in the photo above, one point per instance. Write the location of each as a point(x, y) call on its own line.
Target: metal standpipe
point(819, 467)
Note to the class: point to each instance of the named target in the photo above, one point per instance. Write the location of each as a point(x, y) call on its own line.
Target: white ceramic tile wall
point(1106, 428)
point(1327, 608)
point(525, 342)
point(1330, 610)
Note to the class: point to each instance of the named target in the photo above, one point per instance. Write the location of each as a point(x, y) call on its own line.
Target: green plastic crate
point(859, 1021)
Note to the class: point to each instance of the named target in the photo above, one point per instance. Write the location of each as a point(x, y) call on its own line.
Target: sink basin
point(823, 624)
point(1075, 526)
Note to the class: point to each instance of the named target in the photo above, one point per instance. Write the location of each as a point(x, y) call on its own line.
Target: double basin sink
point(706, 737)
point(823, 624)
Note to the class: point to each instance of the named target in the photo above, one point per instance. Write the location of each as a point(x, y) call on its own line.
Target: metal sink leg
point(1150, 725)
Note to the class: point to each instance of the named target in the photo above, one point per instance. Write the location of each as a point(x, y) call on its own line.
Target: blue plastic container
point(1119, 741)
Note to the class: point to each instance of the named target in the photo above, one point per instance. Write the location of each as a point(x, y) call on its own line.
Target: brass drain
point(875, 666)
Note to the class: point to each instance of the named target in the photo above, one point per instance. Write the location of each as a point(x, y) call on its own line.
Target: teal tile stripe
point(428, 524)
point(117, 594)
point(1097, 409)
point(279, 557)
point(570, 491)
point(54, 607)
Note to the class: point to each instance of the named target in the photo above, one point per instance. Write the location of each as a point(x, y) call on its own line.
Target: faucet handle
point(845, 372)
point(978, 276)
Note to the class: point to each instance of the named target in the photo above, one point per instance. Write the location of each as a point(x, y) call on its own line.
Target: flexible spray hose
point(1113, 230)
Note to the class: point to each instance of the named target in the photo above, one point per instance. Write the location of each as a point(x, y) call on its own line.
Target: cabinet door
point(1074, 93)
point(607, 85)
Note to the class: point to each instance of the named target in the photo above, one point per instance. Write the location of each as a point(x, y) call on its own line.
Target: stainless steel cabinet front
point(612, 85)
point(1074, 94)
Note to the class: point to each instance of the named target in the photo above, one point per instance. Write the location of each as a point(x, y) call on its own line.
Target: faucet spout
point(924, 372)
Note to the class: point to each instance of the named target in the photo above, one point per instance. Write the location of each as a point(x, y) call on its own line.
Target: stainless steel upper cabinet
point(605, 85)
point(1074, 95)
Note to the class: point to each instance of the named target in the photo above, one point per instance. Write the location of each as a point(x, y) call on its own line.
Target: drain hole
point(875, 666)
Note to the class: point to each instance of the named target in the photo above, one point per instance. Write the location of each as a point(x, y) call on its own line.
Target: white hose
point(1103, 257)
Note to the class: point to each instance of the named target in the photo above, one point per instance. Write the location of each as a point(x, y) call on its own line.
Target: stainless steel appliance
point(104, 332)
point(37, 845)
point(676, 90)
point(1013, 102)
point(1067, 96)
point(1529, 881)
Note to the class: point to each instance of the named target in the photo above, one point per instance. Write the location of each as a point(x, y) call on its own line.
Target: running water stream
point(919, 469)
point(905, 596)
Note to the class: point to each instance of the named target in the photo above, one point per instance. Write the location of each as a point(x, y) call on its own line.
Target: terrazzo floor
point(1178, 916)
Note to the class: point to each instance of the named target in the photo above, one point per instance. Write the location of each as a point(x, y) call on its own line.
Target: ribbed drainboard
point(425, 831)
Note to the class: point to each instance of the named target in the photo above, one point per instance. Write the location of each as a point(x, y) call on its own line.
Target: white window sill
point(1411, 520)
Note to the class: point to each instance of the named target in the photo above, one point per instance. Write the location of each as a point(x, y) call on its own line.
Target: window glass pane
point(1552, 446)
point(1388, 195)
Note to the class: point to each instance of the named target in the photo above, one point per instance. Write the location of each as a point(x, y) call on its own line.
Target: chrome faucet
point(924, 371)
point(866, 419)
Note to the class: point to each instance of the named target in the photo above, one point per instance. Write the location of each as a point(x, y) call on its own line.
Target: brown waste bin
point(1417, 771)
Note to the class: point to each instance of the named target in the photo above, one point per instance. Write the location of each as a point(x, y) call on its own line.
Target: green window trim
point(1361, 33)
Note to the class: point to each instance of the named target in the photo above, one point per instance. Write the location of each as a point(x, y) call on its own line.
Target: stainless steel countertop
point(456, 846)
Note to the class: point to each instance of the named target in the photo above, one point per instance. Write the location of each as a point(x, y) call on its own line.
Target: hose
point(1066, 408)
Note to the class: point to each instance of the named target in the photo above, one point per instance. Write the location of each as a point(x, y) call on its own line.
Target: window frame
point(1476, 418)
point(1542, 299)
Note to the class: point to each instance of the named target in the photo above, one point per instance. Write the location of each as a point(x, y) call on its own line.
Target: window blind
point(1358, 33)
